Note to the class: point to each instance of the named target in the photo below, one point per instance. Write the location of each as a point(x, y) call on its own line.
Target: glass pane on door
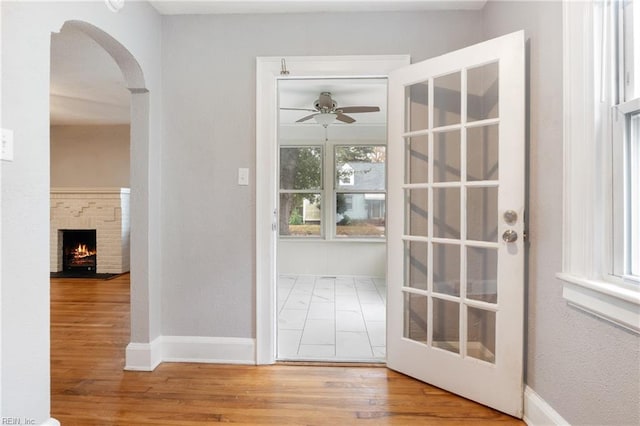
point(417, 159)
point(482, 153)
point(446, 156)
point(446, 269)
point(481, 334)
point(482, 92)
point(447, 100)
point(417, 217)
point(417, 106)
point(416, 264)
point(482, 214)
point(482, 274)
point(416, 319)
point(446, 325)
point(446, 213)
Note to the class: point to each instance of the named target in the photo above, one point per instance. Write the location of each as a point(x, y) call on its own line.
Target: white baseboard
point(143, 356)
point(214, 350)
point(51, 422)
point(538, 413)
point(218, 350)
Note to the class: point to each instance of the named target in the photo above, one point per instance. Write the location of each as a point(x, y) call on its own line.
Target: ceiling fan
point(326, 110)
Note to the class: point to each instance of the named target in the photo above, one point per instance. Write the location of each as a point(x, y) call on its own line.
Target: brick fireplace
point(103, 210)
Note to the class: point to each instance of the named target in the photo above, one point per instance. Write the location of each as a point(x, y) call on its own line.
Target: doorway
point(269, 71)
point(131, 81)
point(331, 286)
point(90, 145)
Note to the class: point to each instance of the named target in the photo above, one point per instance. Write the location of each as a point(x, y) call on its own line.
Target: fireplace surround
point(104, 211)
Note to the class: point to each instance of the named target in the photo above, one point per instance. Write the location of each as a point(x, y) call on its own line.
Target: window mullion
point(329, 205)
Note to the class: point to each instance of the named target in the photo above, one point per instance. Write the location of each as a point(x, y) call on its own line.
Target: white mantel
point(104, 209)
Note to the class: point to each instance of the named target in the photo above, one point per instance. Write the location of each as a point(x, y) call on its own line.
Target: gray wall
point(587, 369)
point(90, 156)
point(209, 110)
point(24, 211)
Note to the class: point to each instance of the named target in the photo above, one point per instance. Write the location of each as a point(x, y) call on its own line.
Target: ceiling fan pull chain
point(326, 133)
point(283, 67)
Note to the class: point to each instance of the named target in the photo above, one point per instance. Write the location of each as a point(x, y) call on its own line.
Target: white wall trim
point(267, 74)
point(143, 356)
point(537, 412)
point(587, 249)
point(51, 422)
point(605, 300)
point(214, 350)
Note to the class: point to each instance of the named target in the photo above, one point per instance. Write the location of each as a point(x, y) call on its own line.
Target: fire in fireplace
point(79, 251)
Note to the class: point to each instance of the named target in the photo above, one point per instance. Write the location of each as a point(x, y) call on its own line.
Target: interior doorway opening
point(90, 146)
point(121, 100)
point(330, 286)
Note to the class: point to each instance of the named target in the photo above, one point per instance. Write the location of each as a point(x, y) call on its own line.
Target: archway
point(142, 330)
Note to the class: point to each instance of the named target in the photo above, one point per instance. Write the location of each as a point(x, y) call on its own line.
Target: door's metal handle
point(509, 236)
point(510, 217)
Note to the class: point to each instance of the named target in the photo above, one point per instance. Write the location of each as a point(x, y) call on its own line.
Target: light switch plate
point(6, 146)
point(243, 176)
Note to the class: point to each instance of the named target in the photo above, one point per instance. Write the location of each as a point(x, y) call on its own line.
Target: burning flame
point(82, 251)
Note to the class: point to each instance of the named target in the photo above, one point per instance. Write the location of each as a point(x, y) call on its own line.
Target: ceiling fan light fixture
point(325, 118)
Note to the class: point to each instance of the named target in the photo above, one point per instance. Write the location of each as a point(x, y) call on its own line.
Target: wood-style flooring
point(89, 333)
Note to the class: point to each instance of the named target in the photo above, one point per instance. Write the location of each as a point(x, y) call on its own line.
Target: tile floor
point(331, 318)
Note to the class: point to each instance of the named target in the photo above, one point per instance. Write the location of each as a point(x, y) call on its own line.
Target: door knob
point(510, 217)
point(509, 236)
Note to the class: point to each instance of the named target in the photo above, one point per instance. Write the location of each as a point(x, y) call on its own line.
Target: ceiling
point(87, 87)
point(309, 6)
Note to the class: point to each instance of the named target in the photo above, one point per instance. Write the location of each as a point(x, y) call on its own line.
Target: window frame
point(590, 234)
point(320, 190)
point(329, 190)
point(337, 190)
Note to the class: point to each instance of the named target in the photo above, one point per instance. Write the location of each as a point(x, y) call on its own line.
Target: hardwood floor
point(89, 333)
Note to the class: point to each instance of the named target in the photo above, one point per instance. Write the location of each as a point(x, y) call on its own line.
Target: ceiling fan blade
point(345, 118)
point(308, 117)
point(298, 109)
point(352, 109)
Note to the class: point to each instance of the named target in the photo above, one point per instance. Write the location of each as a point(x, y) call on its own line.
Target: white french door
point(455, 270)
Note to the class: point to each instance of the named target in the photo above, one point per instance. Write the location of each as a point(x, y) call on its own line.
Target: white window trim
point(587, 172)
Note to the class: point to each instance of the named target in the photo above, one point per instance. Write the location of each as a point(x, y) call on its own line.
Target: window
point(354, 201)
point(601, 185)
point(626, 143)
point(360, 191)
point(633, 197)
point(300, 191)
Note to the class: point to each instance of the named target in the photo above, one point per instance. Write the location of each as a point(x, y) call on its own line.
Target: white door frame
point(268, 72)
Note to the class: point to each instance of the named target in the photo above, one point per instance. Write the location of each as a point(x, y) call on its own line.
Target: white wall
point(90, 156)
point(308, 257)
point(587, 369)
point(209, 99)
point(26, 37)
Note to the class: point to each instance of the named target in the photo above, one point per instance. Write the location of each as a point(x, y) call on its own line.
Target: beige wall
point(90, 156)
